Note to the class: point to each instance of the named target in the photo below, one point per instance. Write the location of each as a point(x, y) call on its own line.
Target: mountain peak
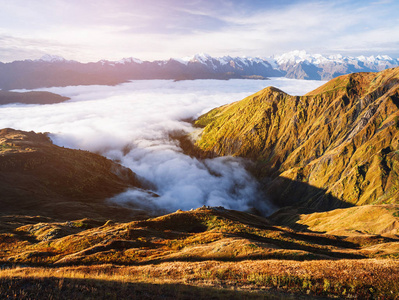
point(51, 58)
point(338, 139)
point(129, 60)
point(202, 56)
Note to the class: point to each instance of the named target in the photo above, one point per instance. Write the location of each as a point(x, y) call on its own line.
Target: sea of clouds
point(131, 123)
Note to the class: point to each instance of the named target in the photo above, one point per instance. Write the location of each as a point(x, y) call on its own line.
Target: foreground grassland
point(205, 253)
point(368, 279)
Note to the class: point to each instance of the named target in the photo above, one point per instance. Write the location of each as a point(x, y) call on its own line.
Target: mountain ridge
point(53, 70)
point(333, 147)
point(40, 178)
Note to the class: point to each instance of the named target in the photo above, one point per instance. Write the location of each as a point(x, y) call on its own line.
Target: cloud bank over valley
point(132, 122)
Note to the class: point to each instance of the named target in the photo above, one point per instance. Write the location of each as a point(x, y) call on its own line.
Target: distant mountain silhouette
point(56, 71)
point(7, 97)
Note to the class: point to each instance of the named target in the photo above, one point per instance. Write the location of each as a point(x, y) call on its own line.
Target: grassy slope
point(205, 247)
point(341, 139)
point(37, 177)
point(365, 219)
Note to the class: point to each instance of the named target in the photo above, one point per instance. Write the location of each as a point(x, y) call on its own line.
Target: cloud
point(17, 48)
point(151, 30)
point(131, 123)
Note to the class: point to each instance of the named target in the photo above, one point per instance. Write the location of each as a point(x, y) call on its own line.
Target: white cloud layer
point(131, 123)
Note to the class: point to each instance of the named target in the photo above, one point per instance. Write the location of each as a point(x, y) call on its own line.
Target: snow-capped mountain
point(52, 59)
point(52, 70)
point(296, 57)
point(129, 60)
point(299, 64)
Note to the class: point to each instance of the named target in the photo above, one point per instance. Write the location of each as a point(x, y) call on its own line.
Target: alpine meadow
point(135, 165)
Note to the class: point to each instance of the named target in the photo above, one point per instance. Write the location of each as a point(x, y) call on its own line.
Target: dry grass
point(333, 146)
point(213, 249)
point(363, 279)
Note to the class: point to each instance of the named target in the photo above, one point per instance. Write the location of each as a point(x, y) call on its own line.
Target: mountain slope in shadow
point(34, 97)
point(40, 178)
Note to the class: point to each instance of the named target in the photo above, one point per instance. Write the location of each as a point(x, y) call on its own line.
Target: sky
point(92, 30)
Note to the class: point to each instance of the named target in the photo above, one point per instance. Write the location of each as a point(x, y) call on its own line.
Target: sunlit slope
point(198, 235)
point(358, 220)
point(334, 146)
point(206, 246)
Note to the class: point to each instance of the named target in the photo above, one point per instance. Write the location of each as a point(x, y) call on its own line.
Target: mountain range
point(57, 71)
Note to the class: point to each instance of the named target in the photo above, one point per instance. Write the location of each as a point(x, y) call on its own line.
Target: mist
point(131, 123)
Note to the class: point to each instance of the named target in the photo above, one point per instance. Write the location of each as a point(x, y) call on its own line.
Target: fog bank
point(131, 123)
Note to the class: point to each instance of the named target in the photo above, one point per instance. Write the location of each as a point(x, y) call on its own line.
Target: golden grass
point(206, 247)
point(339, 141)
point(366, 219)
point(364, 279)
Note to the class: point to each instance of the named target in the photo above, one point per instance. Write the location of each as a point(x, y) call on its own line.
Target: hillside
point(40, 178)
point(207, 233)
point(7, 97)
point(333, 147)
point(206, 247)
point(352, 221)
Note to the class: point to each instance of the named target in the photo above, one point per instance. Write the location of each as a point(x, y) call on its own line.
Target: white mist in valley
point(132, 122)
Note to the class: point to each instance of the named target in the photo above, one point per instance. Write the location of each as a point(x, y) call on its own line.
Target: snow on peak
point(295, 57)
point(225, 60)
point(215, 62)
point(202, 57)
point(298, 56)
point(184, 60)
point(375, 59)
point(384, 57)
point(129, 60)
point(51, 58)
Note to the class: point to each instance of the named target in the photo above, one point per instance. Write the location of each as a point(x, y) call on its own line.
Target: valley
point(273, 196)
point(197, 149)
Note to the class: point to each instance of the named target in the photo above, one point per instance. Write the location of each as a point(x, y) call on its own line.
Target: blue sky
point(159, 29)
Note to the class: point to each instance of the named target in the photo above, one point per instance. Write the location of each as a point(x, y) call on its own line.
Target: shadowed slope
point(7, 97)
point(37, 177)
point(202, 234)
point(342, 138)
